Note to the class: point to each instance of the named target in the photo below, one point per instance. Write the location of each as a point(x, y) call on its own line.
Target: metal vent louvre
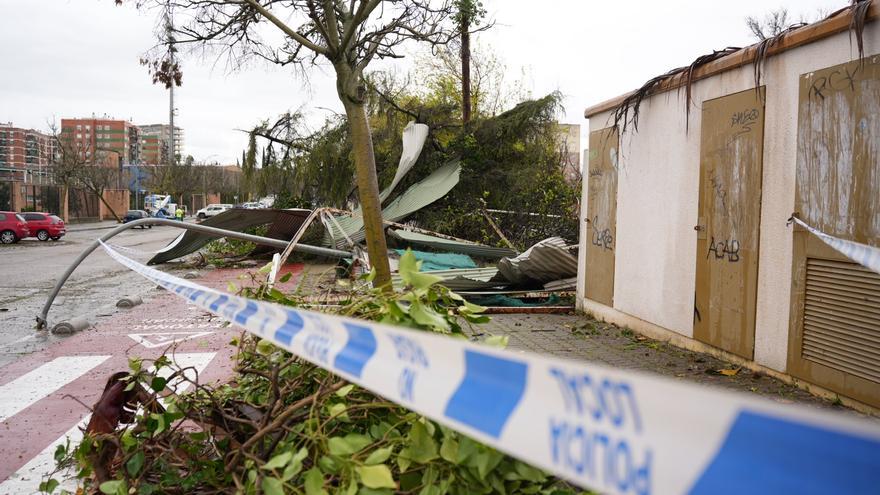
point(842, 317)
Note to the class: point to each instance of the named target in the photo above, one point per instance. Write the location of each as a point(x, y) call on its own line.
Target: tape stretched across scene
point(599, 427)
point(863, 254)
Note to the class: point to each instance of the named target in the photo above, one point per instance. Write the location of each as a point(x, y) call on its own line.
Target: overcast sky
point(73, 58)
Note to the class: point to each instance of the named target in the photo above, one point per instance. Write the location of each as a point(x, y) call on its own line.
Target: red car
point(44, 226)
point(13, 227)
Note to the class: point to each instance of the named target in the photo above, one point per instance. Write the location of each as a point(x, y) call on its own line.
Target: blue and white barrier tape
point(603, 428)
point(863, 254)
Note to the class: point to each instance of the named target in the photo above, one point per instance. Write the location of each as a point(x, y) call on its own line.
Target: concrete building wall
point(658, 196)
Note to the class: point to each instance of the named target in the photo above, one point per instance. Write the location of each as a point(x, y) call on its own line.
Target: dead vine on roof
point(627, 112)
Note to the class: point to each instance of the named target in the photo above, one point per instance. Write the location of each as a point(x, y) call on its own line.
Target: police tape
point(600, 427)
point(863, 254)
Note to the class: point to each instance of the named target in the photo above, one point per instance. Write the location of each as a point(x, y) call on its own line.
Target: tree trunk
point(112, 212)
point(368, 191)
point(465, 70)
point(65, 205)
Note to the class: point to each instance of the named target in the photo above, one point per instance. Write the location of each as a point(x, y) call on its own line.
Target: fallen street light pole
point(204, 229)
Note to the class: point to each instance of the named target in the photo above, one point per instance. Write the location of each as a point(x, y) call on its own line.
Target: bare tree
point(773, 23)
point(778, 21)
point(348, 35)
point(78, 165)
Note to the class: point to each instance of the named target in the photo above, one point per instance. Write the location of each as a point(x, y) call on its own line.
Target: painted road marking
point(27, 479)
point(161, 339)
point(39, 383)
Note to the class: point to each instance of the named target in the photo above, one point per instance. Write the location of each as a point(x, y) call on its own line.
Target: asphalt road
point(30, 268)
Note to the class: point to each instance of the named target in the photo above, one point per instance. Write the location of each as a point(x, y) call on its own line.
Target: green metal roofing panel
point(420, 195)
point(441, 244)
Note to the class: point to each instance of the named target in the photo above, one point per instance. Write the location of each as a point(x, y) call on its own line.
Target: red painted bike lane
point(45, 395)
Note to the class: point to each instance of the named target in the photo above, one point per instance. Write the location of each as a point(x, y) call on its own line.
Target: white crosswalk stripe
point(27, 479)
point(29, 388)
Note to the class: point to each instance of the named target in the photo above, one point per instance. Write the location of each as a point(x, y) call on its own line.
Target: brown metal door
point(731, 148)
point(834, 338)
point(601, 215)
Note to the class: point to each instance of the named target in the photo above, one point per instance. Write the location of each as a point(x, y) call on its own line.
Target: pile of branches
point(283, 425)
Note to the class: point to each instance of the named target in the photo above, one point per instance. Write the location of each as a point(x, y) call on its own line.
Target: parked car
point(44, 226)
point(132, 215)
point(252, 206)
point(13, 227)
point(211, 210)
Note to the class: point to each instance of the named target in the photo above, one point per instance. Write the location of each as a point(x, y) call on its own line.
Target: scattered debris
point(283, 224)
point(129, 302)
point(728, 371)
point(547, 261)
point(71, 326)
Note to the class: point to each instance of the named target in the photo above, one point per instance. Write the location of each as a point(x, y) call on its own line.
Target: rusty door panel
point(834, 333)
point(731, 151)
point(601, 215)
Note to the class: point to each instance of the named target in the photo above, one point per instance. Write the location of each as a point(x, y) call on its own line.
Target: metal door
point(731, 148)
point(601, 215)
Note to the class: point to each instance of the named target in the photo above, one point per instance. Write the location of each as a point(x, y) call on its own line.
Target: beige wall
point(658, 196)
point(118, 199)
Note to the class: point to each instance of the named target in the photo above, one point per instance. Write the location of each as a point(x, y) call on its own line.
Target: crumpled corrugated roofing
point(420, 195)
point(439, 243)
point(547, 261)
point(285, 224)
point(462, 279)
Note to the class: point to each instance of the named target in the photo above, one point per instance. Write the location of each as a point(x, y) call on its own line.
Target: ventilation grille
point(842, 317)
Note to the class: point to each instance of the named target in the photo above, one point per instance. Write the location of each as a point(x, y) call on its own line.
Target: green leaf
point(265, 268)
point(273, 486)
point(349, 444)
point(265, 347)
point(449, 450)
point(147, 489)
point(378, 476)
point(485, 461)
point(295, 465)
point(408, 268)
point(499, 341)
point(158, 383)
point(135, 463)
point(378, 456)
point(424, 315)
point(338, 411)
point(529, 473)
point(114, 487)
point(407, 265)
point(60, 452)
point(472, 308)
point(314, 482)
point(342, 392)
point(466, 448)
point(285, 278)
point(352, 489)
point(279, 461)
point(135, 364)
point(231, 287)
point(403, 460)
point(422, 447)
point(49, 485)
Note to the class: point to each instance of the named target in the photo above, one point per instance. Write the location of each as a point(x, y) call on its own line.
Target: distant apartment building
point(94, 137)
point(154, 150)
point(156, 142)
point(25, 153)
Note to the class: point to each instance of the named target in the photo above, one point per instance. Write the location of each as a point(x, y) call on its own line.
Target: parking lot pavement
point(30, 269)
point(583, 338)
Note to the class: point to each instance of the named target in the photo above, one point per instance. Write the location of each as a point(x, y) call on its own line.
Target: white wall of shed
point(658, 186)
